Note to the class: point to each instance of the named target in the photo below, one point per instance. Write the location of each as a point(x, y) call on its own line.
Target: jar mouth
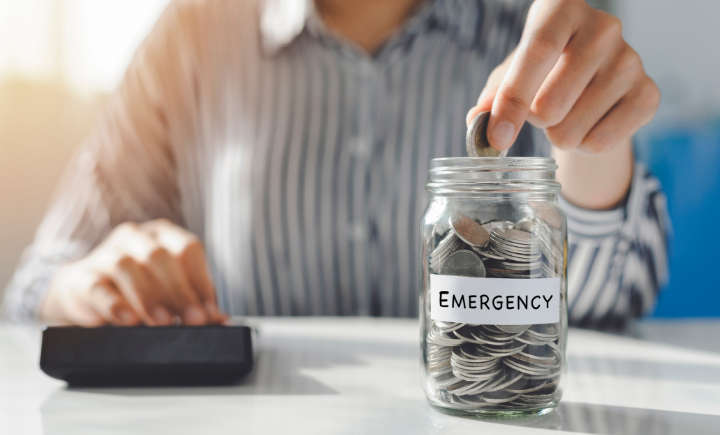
point(534, 174)
point(493, 163)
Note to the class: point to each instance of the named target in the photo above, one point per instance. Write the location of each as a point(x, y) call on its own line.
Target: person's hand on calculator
point(152, 273)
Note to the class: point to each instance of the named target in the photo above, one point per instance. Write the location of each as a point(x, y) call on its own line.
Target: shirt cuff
point(589, 223)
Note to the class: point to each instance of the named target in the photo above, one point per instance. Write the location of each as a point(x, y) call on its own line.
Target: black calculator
point(147, 356)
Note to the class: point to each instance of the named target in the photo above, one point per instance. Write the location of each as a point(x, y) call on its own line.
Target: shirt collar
point(281, 21)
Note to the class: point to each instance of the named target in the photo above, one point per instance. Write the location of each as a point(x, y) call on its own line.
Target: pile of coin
point(499, 366)
point(503, 367)
point(529, 248)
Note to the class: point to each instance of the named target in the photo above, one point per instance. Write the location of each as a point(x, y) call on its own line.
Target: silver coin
point(553, 358)
point(512, 235)
point(440, 339)
point(501, 397)
point(476, 368)
point(463, 263)
point(470, 354)
point(489, 253)
point(535, 361)
point(480, 338)
point(474, 377)
point(501, 352)
point(546, 332)
point(467, 338)
point(548, 240)
point(552, 257)
point(547, 213)
point(447, 326)
point(509, 380)
point(508, 249)
point(445, 379)
point(526, 224)
point(513, 329)
point(495, 337)
point(469, 231)
point(497, 224)
point(527, 369)
point(449, 240)
point(521, 258)
point(491, 385)
point(503, 248)
point(520, 248)
point(544, 384)
point(524, 255)
point(476, 142)
point(446, 245)
point(532, 341)
point(521, 266)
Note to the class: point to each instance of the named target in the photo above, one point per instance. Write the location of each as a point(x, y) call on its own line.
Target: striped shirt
point(301, 160)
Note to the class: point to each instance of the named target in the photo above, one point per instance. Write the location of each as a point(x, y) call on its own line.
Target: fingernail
point(194, 315)
point(212, 310)
point(126, 317)
point(472, 113)
point(161, 316)
point(503, 134)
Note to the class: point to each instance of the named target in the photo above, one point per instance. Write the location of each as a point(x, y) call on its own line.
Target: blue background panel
point(687, 162)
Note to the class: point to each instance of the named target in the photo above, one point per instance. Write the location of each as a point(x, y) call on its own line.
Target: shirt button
point(360, 146)
point(366, 69)
point(358, 231)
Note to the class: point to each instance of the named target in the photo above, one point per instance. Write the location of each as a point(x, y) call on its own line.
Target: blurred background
point(59, 59)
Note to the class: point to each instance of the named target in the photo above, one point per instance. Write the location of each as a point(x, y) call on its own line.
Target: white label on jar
point(494, 301)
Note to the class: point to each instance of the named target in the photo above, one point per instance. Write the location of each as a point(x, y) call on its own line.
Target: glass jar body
point(493, 306)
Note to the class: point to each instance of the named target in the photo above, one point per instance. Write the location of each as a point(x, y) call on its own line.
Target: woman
point(269, 158)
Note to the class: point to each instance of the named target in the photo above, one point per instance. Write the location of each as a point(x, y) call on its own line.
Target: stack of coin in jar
point(498, 366)
point(527, 249)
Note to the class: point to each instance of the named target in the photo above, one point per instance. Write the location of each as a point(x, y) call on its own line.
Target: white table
point(352, 376)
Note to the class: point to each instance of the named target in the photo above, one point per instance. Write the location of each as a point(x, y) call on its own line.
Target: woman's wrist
point(595, 181)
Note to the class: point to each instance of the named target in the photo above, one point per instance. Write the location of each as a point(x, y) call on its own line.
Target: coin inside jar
point(463, 263)
point(469, 231)
point(476, 141)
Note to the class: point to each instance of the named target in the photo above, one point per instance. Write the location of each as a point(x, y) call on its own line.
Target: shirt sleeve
point(125, 170)
point(618, 259)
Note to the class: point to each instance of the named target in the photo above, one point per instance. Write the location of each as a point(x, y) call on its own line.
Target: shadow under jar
point(493, 308)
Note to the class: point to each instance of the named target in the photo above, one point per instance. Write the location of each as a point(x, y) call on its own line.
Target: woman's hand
point(573, 75)
point(149, 273)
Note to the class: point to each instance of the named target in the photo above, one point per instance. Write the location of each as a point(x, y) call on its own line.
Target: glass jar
point(493, 308)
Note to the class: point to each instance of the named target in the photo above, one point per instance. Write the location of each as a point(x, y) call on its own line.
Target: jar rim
point(493, 163)
point(492, 174)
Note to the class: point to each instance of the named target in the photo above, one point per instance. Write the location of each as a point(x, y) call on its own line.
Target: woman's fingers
point(545, 36)
point(609, 86)
point(182, 298)
point(142, 291)
point(576, 67)
point(157, 258)
point(193, 258)
point(111, 305)
point(571, 71)
point(632, 112)
point(487, 96)
point(157, 248)
point(189, 253)
point(151, 273)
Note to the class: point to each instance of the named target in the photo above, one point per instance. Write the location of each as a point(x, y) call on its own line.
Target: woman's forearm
point(597, 181)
